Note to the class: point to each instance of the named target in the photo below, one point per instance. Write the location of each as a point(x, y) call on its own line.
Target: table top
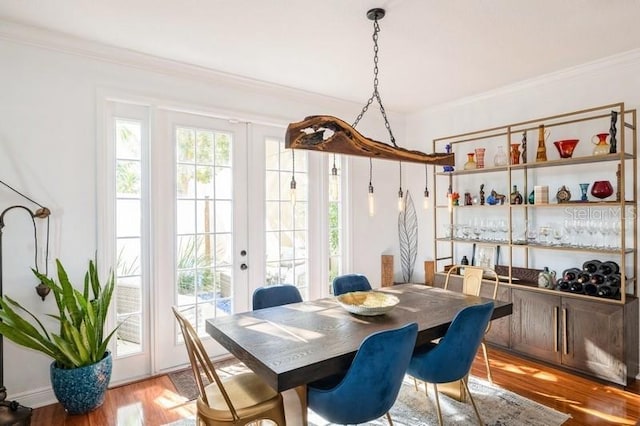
point(292, 345)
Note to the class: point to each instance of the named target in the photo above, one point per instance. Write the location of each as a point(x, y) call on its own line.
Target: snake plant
point(80, 340)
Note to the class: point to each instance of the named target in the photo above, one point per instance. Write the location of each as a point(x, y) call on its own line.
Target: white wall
point(48, 134)
point(603, 82)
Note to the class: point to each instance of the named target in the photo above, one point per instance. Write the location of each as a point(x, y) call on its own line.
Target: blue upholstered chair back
point(372, 383)
point(350, 282)
point(451, 358)
point(275, 295)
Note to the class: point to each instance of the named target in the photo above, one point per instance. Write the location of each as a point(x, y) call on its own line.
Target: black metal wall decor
point(11, 412)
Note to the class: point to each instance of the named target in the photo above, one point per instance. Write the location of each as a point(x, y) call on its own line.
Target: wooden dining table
point(292, 345)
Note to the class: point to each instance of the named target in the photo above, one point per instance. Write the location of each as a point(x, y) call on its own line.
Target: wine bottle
point(591, 266)
point(576, 287)
point(583, 278)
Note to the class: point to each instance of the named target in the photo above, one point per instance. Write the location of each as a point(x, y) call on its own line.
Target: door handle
point(565, 343)
point(243, 266)
point(555, 329)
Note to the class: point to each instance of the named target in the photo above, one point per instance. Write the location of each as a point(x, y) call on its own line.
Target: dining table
point(292, 345)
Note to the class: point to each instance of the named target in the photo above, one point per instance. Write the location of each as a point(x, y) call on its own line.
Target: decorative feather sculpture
point(408, 235)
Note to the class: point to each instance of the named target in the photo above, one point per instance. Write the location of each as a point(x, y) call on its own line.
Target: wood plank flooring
point(154, 402)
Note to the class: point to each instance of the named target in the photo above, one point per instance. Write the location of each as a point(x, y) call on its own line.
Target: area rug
point(497, 406)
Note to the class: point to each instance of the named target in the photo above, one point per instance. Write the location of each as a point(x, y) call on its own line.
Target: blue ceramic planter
point(81, 390)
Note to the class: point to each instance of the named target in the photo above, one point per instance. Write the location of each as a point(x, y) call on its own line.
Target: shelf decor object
point(330, 134)
point(541, 152)
point(601, 145)
point(601, 189)
point(565, 147)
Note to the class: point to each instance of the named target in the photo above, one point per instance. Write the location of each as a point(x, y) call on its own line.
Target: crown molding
point(621, 59)
point(72, 45)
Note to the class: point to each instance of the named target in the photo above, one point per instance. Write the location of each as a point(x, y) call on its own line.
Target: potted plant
point(81, 367)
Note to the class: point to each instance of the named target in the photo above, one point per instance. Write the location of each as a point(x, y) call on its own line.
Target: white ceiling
point(431, 51)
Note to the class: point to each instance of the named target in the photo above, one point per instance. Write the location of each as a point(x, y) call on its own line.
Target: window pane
point(186, 141)
point(204, 147)
point(127, 218)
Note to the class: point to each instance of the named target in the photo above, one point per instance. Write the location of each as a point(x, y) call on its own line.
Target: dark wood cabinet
point(591, 337)
point(534, 325)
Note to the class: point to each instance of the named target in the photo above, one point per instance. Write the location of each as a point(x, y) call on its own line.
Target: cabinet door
point(500, 329)
point(534, 325)
point(592, 340)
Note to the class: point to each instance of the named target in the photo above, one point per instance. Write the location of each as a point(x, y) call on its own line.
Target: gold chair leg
point(480, 422)
point(435, 390)
point(389, 418)
point(415, 383)
point(486, 362)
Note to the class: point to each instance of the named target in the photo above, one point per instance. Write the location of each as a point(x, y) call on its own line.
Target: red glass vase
point(601, 189)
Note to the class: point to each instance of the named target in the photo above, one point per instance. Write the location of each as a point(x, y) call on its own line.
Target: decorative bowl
point(565, 147)
point(368, 303)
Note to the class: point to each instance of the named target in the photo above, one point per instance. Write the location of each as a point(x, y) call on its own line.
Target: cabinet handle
point(555, 329)
point(565, 348)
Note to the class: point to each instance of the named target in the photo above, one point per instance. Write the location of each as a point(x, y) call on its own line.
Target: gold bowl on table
point(367, 303)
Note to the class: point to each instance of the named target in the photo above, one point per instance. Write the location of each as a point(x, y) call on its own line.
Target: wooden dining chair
point(472, 284)
point(236, 400)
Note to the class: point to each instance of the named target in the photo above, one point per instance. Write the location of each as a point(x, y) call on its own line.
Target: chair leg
point(466, 386)
point(415, 383)
point(435, 390)
point(389, 418)
point(486, 361)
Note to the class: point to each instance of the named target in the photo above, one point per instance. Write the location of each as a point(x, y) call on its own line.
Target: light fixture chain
point(376, 93)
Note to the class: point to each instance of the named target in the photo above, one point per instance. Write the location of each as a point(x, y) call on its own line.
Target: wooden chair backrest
point(200, 362)
point(472, 279)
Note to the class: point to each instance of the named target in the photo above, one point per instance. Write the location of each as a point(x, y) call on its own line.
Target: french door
point(197, 212)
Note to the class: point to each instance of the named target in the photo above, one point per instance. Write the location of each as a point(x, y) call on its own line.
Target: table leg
point(302, 394)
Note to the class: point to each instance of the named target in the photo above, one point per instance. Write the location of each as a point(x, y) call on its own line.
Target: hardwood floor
point(154, 402)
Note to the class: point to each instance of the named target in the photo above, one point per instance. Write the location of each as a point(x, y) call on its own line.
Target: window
point(335, 219)
point(204, 188)
point(286, 227)
point(128, 206)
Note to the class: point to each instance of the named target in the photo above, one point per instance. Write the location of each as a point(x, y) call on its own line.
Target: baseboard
point(34, 399)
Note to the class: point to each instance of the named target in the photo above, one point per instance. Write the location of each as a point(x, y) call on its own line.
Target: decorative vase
point(565, 147)
point(601, 189)
point(532, 197)
point(82, 389)
point(541, 152)
point(470, 164)
point(516, 197)
point(500, 159)
point(601, 145)
point(583, 189)
point(515, 153)
point(480, 158)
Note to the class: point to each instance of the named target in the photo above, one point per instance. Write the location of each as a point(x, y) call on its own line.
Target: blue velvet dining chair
point(371, 385)
point(450, 359)
point(275, 295)
point(350, 282)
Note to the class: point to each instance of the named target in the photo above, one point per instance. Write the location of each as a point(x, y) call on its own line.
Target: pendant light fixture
point(400, 193)
point(425, 202)
point(333, 179)
point(330, 134)
point(292, 186)
point(370, 199)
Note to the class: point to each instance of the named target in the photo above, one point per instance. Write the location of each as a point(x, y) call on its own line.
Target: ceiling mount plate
point(375, 14)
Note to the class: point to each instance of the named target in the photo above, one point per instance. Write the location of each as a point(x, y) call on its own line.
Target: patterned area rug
point(497, 406)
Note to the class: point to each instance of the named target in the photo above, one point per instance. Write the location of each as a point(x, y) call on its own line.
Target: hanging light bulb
point(333, 180)
point(425, 202)
point(292, 190)
point(370, 198)
point(400, 193)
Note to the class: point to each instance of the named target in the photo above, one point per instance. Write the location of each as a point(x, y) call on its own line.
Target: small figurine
point(612, 133)
point(455, 197)
point(448, 149)
point(563, 195)
point(497, 198)
point(524, 147)
point(482, 194)
point(467, 199)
